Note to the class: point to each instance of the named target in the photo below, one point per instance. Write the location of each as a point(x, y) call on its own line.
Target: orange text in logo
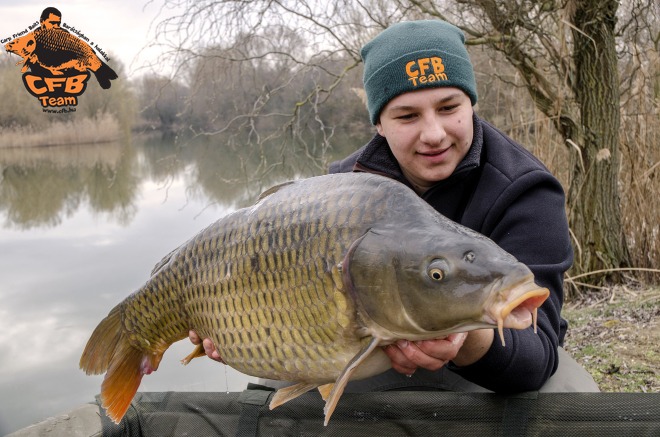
point(56, 91)
point(425, 70)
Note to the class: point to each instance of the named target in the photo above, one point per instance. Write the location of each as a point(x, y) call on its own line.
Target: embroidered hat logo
point(418, 70)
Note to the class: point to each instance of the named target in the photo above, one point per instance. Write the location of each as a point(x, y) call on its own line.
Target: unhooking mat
point(393, 413)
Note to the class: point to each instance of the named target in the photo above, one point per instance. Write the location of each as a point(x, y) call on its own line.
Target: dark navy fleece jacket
point(502, 191)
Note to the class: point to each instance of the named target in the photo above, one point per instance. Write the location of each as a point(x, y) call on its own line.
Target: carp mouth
point(517, 307)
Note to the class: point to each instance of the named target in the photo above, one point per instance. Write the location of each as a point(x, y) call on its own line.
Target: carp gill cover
point(306, 285)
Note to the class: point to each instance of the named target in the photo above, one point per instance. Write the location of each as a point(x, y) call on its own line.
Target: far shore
point(102, 129)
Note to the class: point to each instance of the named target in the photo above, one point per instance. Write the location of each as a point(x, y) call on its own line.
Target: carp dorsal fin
point(285, 394)
point(273, 189)
point(340, 384)
point(163, 262)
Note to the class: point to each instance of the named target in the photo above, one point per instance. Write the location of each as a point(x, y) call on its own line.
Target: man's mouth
point(434, 154)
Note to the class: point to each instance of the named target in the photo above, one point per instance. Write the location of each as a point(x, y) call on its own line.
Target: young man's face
point(429, 131)
point(52, 22)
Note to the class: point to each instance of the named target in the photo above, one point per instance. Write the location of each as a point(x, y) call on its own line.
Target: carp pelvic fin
point(325, 390)
point(285, 394)
point(340, 384)
point(196, 353)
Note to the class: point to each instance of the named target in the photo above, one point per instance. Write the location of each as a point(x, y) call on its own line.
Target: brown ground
point(615, 335)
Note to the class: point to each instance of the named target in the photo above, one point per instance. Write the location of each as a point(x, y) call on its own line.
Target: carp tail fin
point(104, 75)
point(123, 378)
point(101, 345)
point(108, 349)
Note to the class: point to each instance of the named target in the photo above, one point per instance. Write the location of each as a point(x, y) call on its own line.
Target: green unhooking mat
point(393, 413)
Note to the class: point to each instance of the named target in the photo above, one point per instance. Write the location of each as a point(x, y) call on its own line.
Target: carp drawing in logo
point(59, 62)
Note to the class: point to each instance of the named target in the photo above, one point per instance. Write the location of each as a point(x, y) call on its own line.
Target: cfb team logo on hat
point(59, 62)
point(426, 70)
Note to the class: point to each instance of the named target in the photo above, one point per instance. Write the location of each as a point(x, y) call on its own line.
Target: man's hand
point(208, 345)
point(407, 356)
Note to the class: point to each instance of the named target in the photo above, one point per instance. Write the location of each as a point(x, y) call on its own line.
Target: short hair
point(50, 10)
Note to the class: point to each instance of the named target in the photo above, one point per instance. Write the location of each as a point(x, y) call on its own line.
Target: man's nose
point(433, 131)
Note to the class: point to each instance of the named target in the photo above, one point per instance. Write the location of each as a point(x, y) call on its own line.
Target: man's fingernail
point(402, 343)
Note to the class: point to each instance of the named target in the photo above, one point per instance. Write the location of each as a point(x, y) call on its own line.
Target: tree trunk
point(593, 200)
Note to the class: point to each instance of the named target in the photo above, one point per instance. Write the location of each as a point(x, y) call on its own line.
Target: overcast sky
point(122, 28)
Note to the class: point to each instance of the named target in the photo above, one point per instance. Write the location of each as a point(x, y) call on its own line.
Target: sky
point(122, 28)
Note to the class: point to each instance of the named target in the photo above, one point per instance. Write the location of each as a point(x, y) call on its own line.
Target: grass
point(100, 129)
point(614, 333)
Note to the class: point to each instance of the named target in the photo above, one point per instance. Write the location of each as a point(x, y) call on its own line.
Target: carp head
point(421, 283)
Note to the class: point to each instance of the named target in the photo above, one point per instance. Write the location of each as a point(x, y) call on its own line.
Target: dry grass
point(100, 129)
point(614, 333)
point(76, 155)
point(640, 186)
point(639, 183)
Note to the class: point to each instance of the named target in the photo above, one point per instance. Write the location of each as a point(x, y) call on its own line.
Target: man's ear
point(379, 129)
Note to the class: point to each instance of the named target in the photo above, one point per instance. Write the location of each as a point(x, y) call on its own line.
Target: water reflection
point(41, 187)
point(81, 227)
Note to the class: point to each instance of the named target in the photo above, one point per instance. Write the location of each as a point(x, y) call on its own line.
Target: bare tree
point(566, 54)
point(565, 51)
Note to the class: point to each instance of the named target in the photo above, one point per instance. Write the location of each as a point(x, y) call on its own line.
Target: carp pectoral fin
point(197, 352)
point(285, 394)
point(325, 390)
point(340, 384)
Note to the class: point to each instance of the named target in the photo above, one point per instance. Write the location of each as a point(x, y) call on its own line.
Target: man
point(51, 18)
point(420, 89)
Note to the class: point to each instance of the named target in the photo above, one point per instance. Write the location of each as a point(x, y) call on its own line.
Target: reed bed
point(86, 130)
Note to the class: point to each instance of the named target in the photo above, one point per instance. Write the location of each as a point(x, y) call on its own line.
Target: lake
point(81, 227)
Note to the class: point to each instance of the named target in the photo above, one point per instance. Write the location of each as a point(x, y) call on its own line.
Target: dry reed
point(639, 181)
point(100, 129)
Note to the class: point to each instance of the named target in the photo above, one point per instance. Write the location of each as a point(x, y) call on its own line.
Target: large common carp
point(306, 285)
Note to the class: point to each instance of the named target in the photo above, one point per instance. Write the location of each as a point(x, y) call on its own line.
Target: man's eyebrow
point(402, 108)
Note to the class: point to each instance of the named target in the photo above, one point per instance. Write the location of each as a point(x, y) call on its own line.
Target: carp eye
point(437, 270)
point(469, 256)
point(436, 274)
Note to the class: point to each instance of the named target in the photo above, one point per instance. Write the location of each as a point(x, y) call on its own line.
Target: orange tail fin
point(108, 349)
point(102, 344)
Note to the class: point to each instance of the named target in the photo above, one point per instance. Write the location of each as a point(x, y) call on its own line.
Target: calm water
point(81, 228)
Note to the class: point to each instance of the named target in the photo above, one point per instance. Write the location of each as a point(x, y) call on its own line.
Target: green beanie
point(413, 55)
